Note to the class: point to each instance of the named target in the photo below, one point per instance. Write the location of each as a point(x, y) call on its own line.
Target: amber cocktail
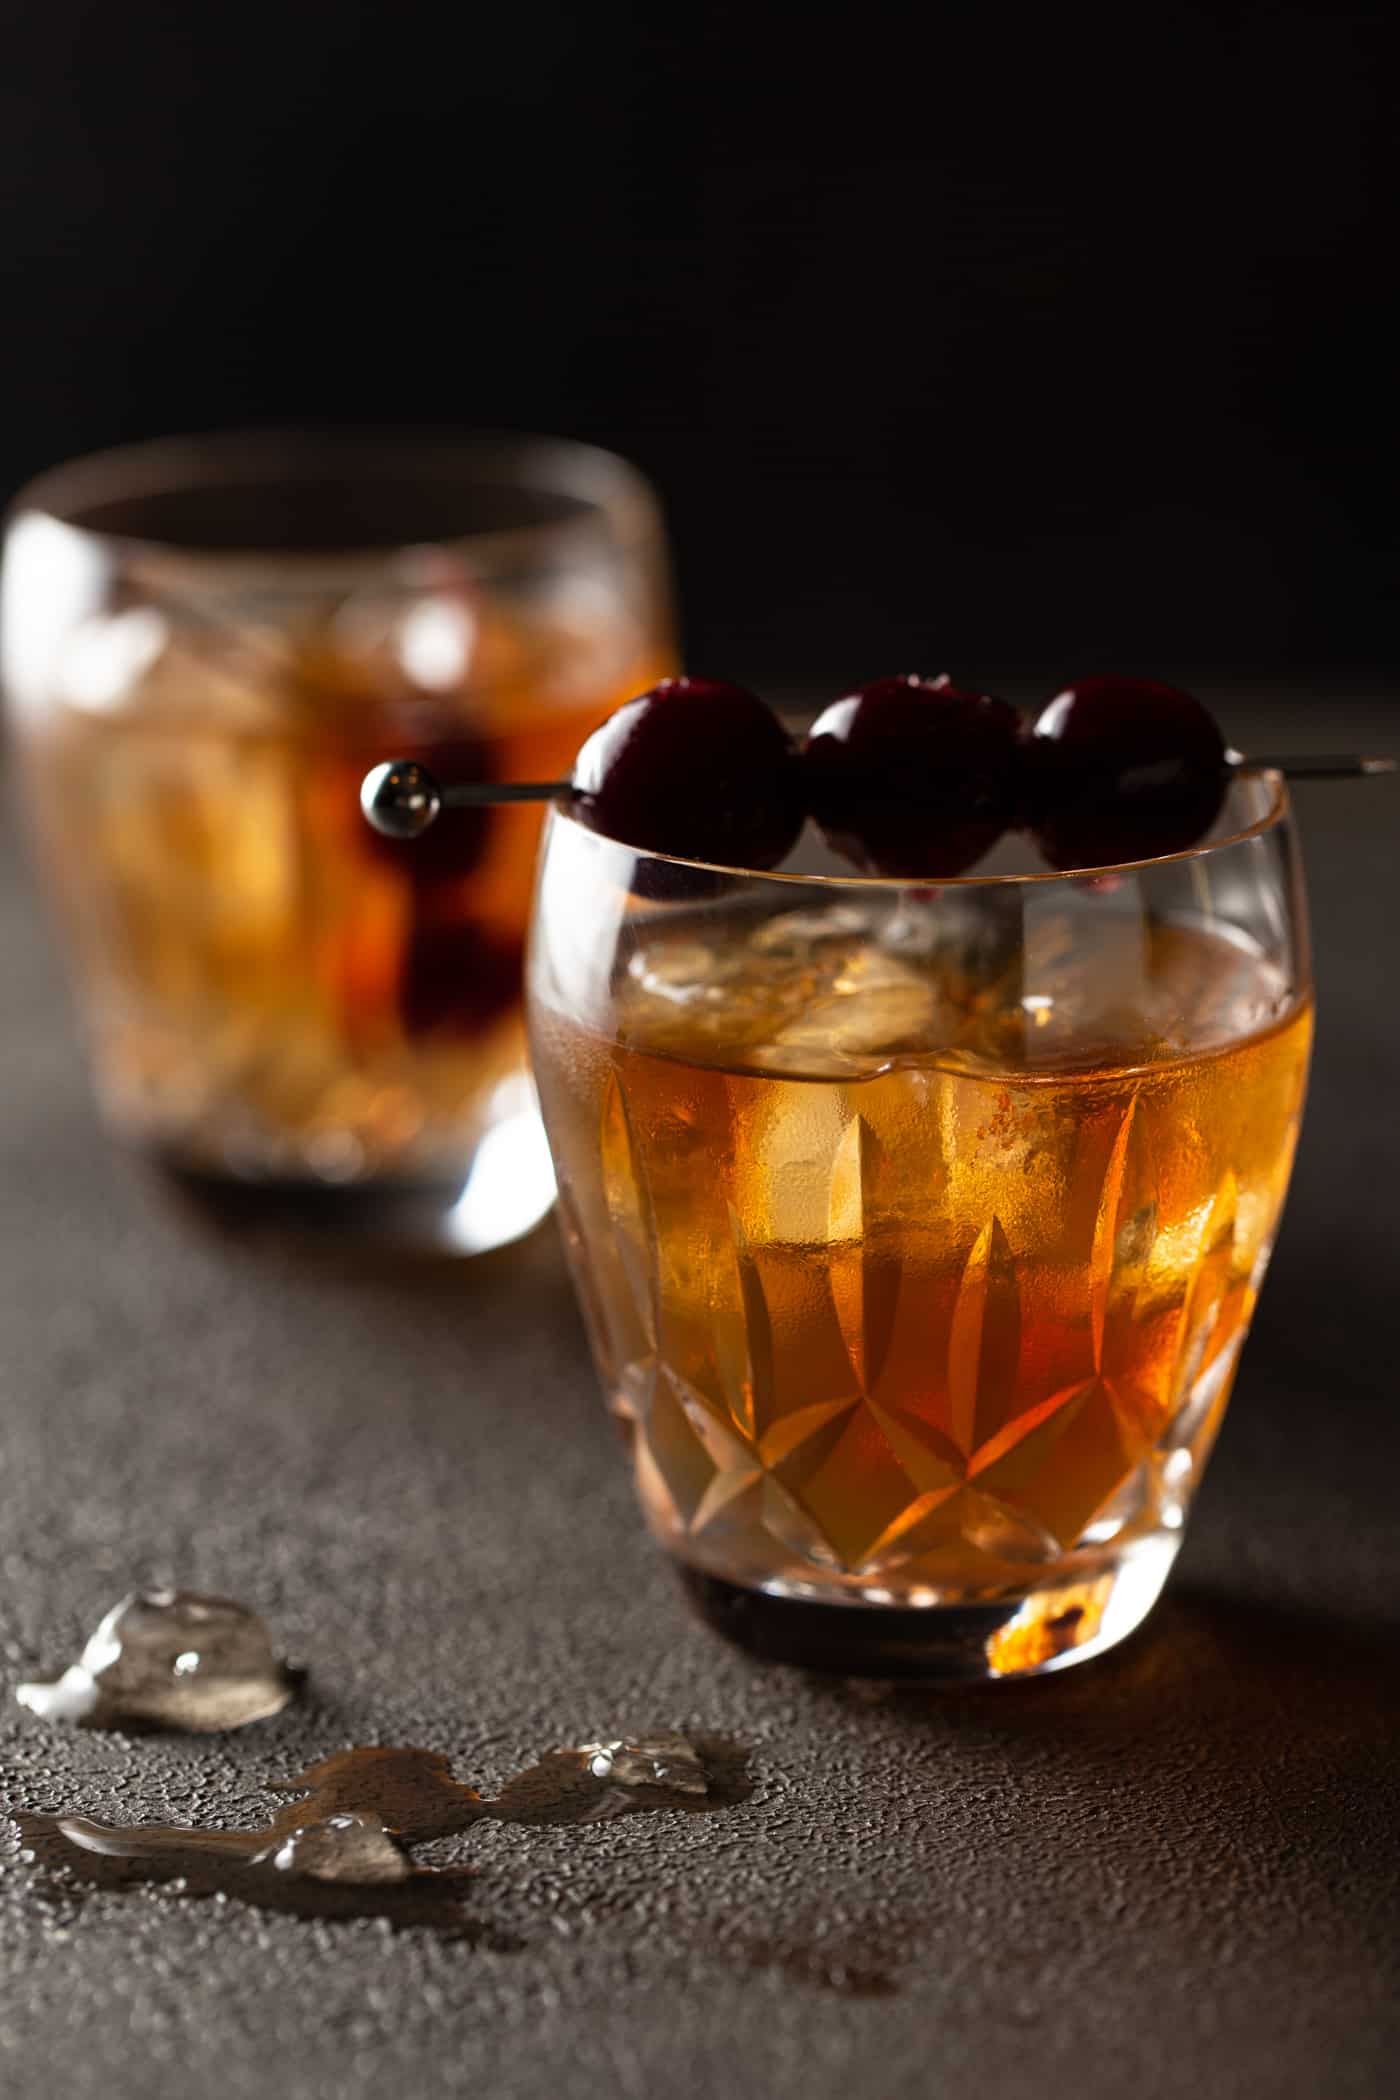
point(919, 1228)
point(206, 644)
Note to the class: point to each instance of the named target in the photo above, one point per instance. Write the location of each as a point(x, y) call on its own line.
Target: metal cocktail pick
point(401, 798)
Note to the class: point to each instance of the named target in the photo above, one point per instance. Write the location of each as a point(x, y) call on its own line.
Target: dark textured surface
point(1176, 1871)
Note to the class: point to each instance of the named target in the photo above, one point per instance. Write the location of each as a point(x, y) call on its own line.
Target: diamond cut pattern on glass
point(845, 1476)
point(984, 1340)
point(734, 1469)
point(1103, 1255)
point(864, 1267)
point(930, 1458)
point(797, 1353)
point(631, 1230)
point(864, 1396)
point(1069, 1463)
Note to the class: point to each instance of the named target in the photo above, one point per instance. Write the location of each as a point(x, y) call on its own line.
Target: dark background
point(1024, 340)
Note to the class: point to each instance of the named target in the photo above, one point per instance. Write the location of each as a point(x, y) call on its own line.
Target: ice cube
point(679, 972)
point(873, 1008)
point(797, 933)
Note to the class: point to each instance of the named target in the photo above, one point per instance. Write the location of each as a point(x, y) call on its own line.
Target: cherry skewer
point(1330, 765)
point(401, 799)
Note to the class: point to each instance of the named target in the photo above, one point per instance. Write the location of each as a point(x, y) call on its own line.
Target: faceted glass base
point(1044, 1629)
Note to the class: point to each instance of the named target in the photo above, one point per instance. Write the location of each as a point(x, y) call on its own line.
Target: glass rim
point(1280, 805)
point(603, 483)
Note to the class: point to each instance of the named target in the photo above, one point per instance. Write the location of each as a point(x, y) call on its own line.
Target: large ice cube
point(869, 1010)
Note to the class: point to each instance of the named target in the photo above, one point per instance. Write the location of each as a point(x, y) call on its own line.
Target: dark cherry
point(694, 768)
point(914, 776)
point(1121, 769)
point(449, 851)
point(456, 979)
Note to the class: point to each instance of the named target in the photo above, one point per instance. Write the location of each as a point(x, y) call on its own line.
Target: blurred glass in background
point(206, 643)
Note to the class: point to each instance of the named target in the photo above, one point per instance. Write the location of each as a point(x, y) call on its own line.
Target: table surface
point(1174, 1871)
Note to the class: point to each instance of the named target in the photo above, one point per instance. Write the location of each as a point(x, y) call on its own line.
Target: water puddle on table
point(343, 1848)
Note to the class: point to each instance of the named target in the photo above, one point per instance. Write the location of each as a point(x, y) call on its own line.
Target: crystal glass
point(206, 643)
point(918, 1229)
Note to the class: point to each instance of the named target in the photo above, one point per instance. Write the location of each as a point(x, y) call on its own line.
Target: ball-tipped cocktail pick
point(401, 798)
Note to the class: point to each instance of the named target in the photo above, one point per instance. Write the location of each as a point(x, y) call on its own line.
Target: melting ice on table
point(171, 1659)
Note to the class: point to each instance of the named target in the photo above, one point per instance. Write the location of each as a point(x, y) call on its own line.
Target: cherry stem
point(1331, 765)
